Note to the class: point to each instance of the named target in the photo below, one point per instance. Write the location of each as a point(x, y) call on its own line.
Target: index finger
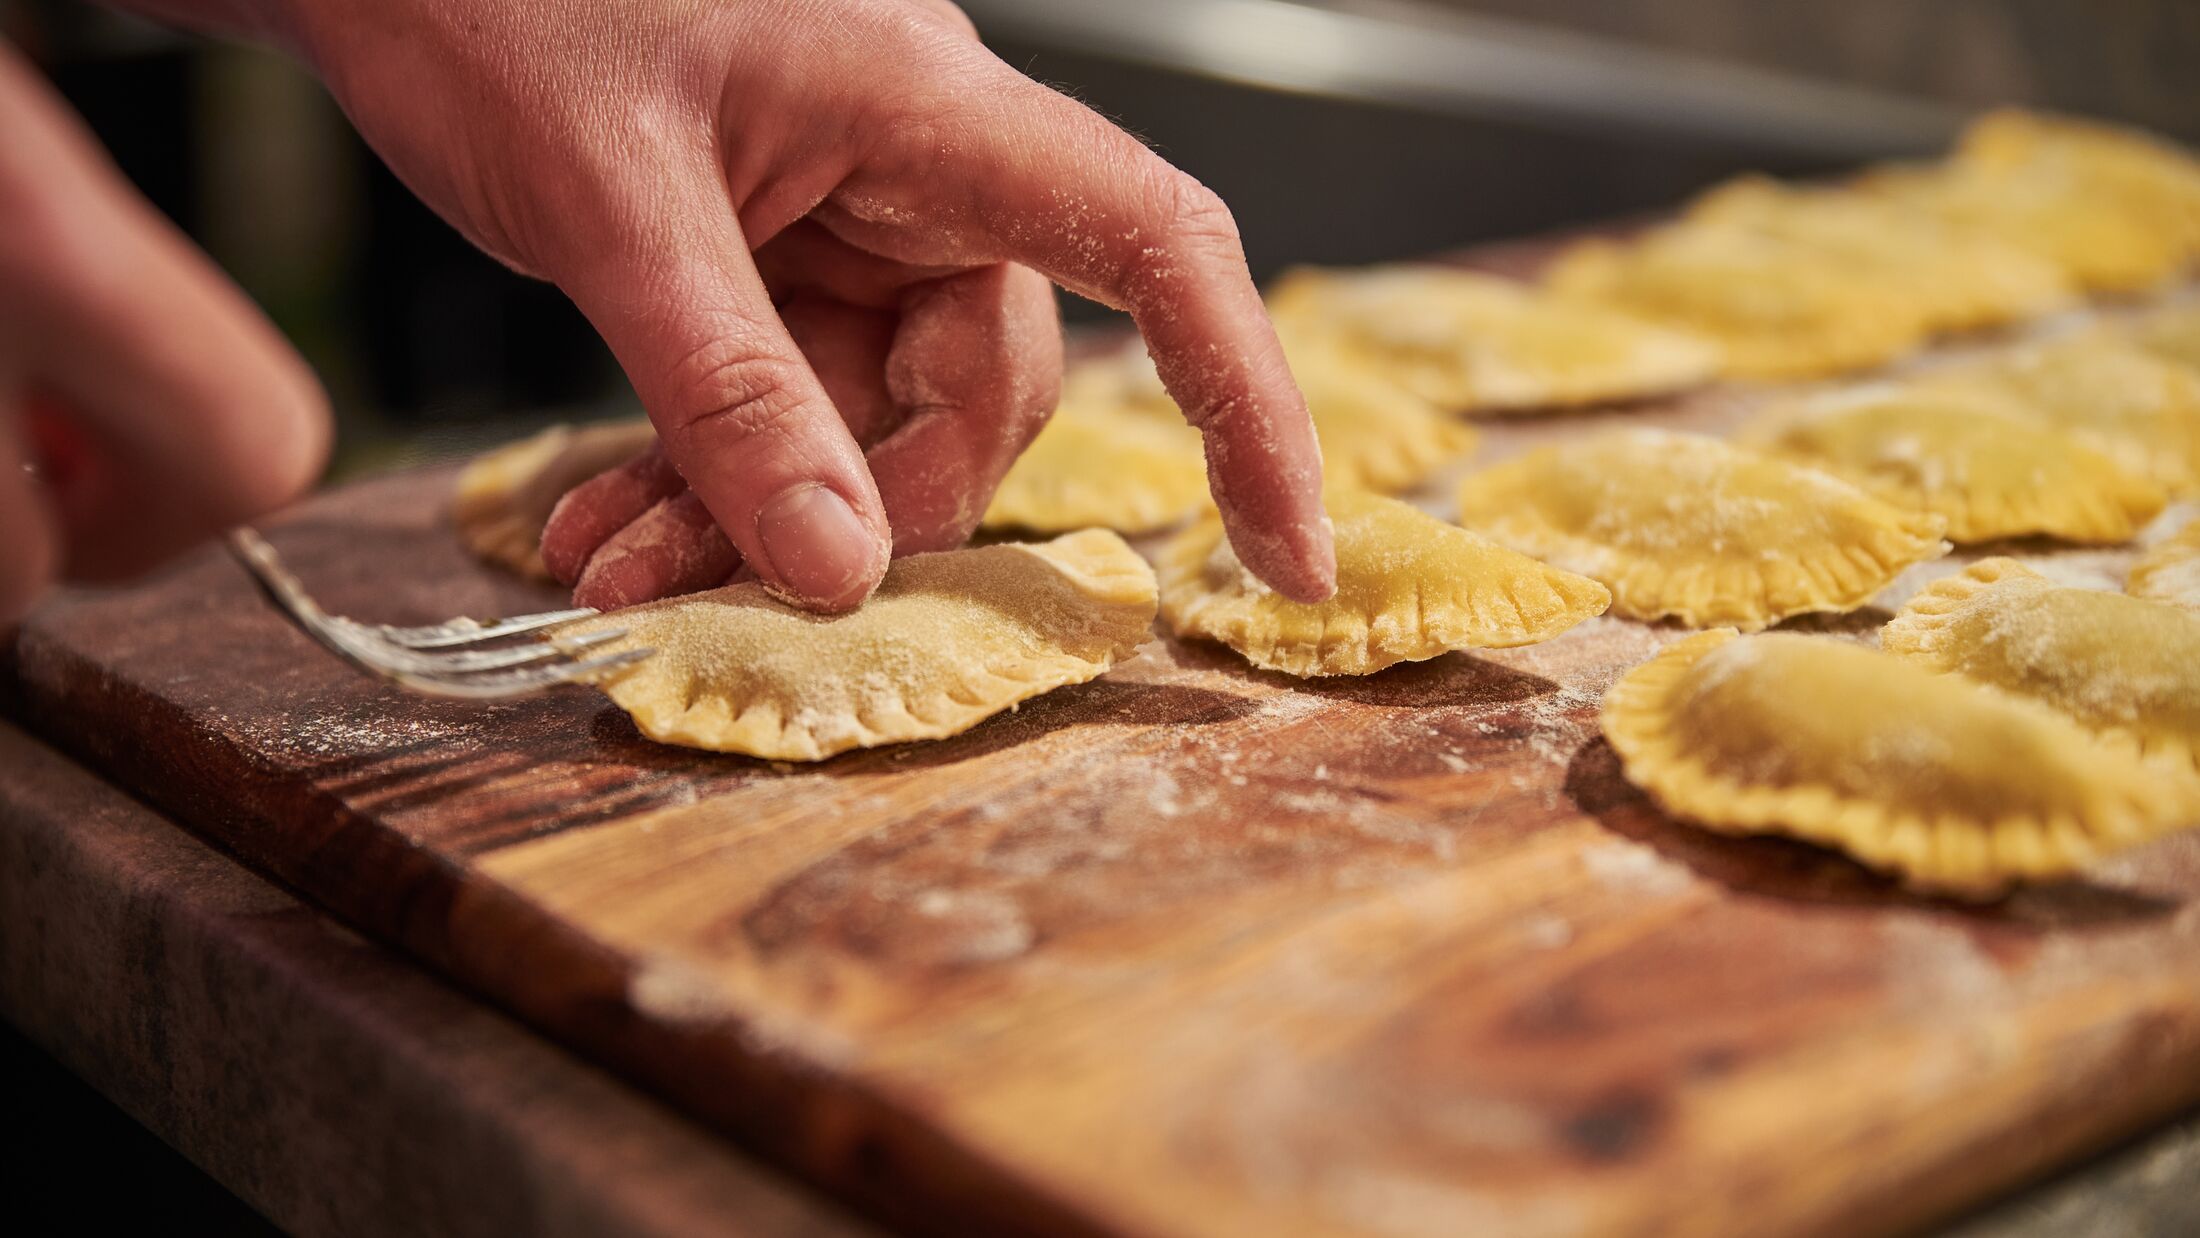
point(1040, 179)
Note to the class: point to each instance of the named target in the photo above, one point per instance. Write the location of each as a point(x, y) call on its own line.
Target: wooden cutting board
point(1190, 950)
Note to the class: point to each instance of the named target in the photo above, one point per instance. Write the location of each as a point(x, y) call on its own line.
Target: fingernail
point(819, 551)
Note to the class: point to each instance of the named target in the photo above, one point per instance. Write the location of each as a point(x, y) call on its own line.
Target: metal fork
point(440, 659)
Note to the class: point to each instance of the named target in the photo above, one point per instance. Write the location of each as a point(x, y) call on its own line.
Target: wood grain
point(331, 1083)
point(1190, 950)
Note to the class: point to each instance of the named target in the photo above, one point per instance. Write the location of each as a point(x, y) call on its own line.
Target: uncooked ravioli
point(1692, 528)
point(1374, 432)
point(948, 640)
point(1960, 280)
point(1409, 587)
point(2169, 571)
point(1778, 309)
point(1477, 343)
point(1102, 468)
point(2133, 406)
point(2173, 334)
point(1949, 785)
point(2149, 180)
point(503, 499)
point(2124, 668)
point(1973, 457)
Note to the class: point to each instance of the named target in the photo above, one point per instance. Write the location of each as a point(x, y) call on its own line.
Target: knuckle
point(1196, 231)
point(735, 394)
point(1198, 216)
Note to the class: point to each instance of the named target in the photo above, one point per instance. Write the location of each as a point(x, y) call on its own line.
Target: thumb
point(738, 410)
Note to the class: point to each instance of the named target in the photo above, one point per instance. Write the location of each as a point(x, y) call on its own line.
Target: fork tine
point(464, 660)
point(469, 631)
point(410, 657)
point(518, 682)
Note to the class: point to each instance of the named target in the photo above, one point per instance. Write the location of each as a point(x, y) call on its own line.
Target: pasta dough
point(1478, 343)
point(2170, 571)
point(1960, 281)
point(1374, 433)
point(2126, 403)
point(1949, 785)
point(2098, 243)
point(1777, 309)
point(1409, 587)
point(2173, 334)
point(949, 640)
point(2153, 182)
point(1102, 468)
point(2126, 669)
point(1691, 528)
point(503, 499)
point(1968, 457)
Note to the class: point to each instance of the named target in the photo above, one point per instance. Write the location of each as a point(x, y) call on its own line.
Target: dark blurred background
point(1344, 130)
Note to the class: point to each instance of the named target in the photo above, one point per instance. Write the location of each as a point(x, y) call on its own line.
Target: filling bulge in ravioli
point(1960, 280)
point(1972, 457)
point(2122, 667)
point(1409, 587)
point(1949, 785)
point(2135, 407)
point(1106, 469)
point(1777, 308)
point(948, 640)
point(1689, 527)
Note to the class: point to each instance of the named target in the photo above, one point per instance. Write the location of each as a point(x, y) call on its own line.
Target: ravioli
point(2126, 403)
point(503, 499)
point(1968, 457)
point(2172, 334)
point(1409, 587)
point(1106, 469)
point(2124, 668)
point(1374, 433)
point(1950, 786)
point(2099, 243)
point(1470, 342)
point(1778, 310)
point(2170, 570)
point(1959, 280)
point(2151, 180)
point(1687, 527)
point(948, 640)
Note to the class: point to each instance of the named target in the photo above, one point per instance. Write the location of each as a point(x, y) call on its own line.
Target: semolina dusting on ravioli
point(2124, 668)
point(1950, 786)
point(2133, 406)
point(2169, 571)
point(1688, 527)
point(1971, 457)
point(948, 640)
point(1409, 587)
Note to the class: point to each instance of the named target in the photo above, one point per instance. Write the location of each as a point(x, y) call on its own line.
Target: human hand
point(144, 402)
point(809, 230)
